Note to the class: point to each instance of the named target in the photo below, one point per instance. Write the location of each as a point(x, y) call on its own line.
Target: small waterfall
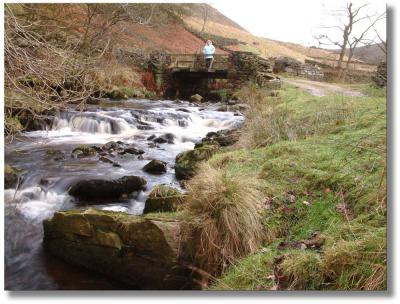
point(90, 123)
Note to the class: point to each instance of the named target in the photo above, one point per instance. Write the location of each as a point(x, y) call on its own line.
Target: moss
point(83, 150)
point(186, 162)
point(127, 92)
point(163, 198)
point(11, 176)
point(163, 191)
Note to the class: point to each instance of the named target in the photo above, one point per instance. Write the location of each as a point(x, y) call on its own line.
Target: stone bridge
point(182, 75)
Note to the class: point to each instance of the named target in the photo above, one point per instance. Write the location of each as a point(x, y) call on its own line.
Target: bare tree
point(349, 18)
point(354, 42)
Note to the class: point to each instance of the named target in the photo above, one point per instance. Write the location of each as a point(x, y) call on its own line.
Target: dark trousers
point(209, 62)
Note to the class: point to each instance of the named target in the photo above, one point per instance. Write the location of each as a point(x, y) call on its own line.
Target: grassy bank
point(320, 164)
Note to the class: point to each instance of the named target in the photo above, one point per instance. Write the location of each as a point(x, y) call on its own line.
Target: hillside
point(372, 54)
point(218, 24)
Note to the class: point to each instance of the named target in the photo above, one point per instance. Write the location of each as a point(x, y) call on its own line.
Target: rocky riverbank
point(151, 251)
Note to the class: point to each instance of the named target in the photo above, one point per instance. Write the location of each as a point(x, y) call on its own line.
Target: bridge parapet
point(197, 62)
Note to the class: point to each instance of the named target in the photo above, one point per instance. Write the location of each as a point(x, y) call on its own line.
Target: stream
point(43, 189)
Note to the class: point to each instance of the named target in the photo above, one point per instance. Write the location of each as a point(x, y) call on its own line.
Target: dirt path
point(319, 89)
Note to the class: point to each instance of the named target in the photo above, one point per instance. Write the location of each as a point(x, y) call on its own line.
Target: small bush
point(225, 210)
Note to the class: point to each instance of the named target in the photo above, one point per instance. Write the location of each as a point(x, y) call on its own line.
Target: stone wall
point(296, 68)
point(380, 77)
point(247, 66)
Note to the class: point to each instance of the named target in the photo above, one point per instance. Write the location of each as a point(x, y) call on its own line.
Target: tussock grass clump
point(302, 268)
point(225, 211)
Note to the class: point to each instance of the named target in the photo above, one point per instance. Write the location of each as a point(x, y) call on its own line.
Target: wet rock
point(138, 251)
point(144, 126)
point(56, 155)
point(165, 138)
point(151, 137)
point(155, 167)
point(109, 161)
point(97, 149)
point(83, 151)
point(163, 198)
point(133, 150)
point(196, 98)
point(183, 110)
point(153, 145)
point(11, 177)
point(160, 140)
point(223, 138)
point(98, 189)
point(111, 145)
point(183, 123)
point(186, 162)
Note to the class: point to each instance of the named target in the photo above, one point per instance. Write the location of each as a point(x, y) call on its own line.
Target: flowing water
point(43, 189)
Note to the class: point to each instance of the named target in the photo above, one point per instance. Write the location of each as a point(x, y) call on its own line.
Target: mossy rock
point(55, 155)
point(83, 151)
point(125, 93)
point(155, 166)
point(11, 176)
point(186, 162)
point(163, 198)
point(135, 250)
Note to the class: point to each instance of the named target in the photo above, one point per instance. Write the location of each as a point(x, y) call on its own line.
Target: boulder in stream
point(98, 189)
point(155, 167)
point(223, 138)
point(186, 162)
point(196, 98)
point(133, 150)
point(83, 151)
point(143, 252)
point(163, 198)
point(110, 146)
point(165, 138)
point(55, 155)
point(11, 176)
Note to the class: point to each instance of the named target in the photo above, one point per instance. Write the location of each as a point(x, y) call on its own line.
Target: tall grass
point(225, 211)
point(271, 119)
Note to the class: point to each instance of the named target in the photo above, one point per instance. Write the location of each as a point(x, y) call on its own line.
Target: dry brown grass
point(225, 211)
point(111, 73)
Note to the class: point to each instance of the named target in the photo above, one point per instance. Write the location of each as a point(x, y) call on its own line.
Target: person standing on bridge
point(208, 52)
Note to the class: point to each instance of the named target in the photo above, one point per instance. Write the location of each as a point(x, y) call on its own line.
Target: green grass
point(336, 154)
point(249, 274)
